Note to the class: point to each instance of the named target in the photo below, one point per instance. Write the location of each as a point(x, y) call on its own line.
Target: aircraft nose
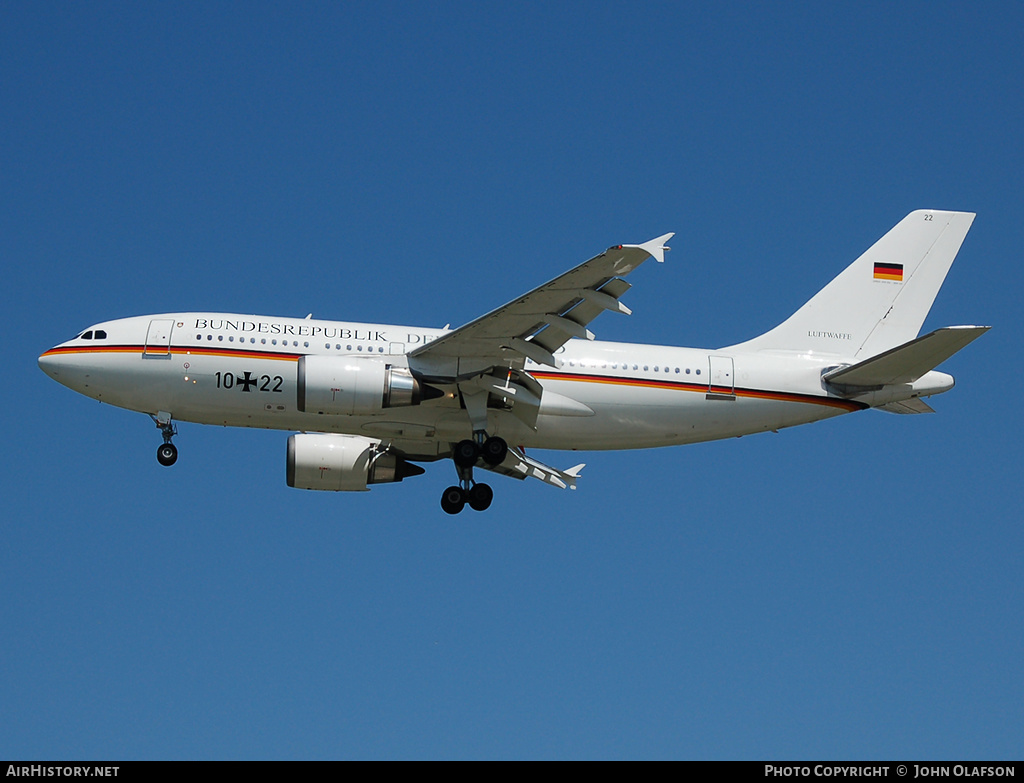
point(65, 366)
point(49, 363)
point(55, 364)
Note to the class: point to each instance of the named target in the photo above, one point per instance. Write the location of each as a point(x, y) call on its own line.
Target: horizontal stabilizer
point(908, 362)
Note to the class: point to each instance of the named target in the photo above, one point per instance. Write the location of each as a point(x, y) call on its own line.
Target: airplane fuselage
point(369, 401)
point(241, 370)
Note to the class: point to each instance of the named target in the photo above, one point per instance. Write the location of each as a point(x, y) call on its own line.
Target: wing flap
point(521, 466)
point(913, 405)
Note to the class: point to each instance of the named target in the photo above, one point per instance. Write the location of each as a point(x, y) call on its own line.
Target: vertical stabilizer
point(880, 301)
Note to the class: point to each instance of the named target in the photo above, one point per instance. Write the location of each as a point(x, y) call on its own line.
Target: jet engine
point(342, 463)
point(348, 385)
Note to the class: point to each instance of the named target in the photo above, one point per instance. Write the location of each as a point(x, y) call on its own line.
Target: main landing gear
point(167, 452)
point(465, 455)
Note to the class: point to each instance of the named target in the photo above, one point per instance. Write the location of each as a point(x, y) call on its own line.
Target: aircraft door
point(721, 381)
point(158, 339)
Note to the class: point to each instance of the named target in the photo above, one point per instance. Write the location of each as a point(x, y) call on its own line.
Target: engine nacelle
point(348, 385)
point(342, 463)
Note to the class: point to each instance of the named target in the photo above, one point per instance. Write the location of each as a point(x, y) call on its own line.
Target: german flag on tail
point(889, 272)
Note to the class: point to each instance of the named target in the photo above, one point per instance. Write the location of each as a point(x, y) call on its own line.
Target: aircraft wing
point(540, 322)
point(521, 466)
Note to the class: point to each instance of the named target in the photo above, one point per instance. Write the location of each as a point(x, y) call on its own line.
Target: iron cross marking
point(247, 381)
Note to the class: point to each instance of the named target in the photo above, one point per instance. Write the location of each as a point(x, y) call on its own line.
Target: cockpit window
point(100, 335)
point(87, 335)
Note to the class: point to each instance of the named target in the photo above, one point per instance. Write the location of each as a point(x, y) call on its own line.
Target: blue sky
point(850, 589)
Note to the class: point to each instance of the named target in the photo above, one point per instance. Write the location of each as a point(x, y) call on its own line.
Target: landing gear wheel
point(466, 453)
point(494, 451)
point(167, 454)
point(480, 497)
point(453, 500)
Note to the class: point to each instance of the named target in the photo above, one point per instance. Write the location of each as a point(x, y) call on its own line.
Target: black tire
point(466, 453)
point(167, 454)
point(480, 497)
point(495, 450)
point(453, 500)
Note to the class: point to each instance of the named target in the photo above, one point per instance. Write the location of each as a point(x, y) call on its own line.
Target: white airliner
point(371, 400)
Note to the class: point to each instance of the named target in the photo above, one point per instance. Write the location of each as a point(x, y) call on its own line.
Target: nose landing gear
point(167, 452)
point(465, 455)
